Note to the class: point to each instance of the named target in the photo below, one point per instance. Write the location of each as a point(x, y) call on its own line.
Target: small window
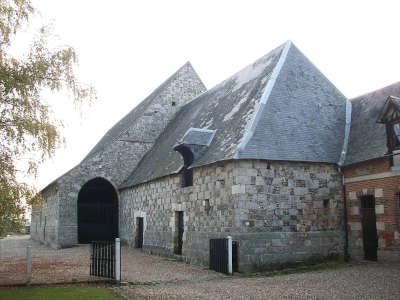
point(397, 199)
point(396, 129)
point(207, 206)
point(173, 103)
point(393, 136)
point(326, 203)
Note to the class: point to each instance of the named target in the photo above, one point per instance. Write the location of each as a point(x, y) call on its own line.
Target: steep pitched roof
point(367, 136)
point(137, 112)
point(278, 108)
point(123, 146)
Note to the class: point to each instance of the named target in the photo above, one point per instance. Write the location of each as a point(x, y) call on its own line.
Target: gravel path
point(72, 265)
point(154, 277)
point(139, 267)
point(362, 281)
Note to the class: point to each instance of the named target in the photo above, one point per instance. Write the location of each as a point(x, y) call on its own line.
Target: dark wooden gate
point(102, 262)
point(139, 232)
point(370, 236)
point(219, 255)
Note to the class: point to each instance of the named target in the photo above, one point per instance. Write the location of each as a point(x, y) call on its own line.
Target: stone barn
point(257, 157)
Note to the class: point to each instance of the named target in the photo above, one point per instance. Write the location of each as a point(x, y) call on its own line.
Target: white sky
point(127, 48)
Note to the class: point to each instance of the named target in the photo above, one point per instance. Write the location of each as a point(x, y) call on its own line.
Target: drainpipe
point(346, 231)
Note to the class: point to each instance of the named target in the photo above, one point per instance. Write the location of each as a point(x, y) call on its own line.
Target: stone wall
point(287, 212)
point(278, 212)
point(119, 158)
point(44, 222)
point(387, 208)
point(158, 200)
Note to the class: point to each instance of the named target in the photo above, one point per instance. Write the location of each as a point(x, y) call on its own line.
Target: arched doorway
point(97, 211)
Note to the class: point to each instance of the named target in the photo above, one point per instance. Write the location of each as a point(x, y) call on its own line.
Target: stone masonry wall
point(158, 200)
point(44, 222)
point(287, 212)
point(118, 159)
point(278, 212)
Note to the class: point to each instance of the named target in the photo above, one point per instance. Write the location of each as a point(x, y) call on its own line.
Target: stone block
point(378, 193)
point(354, 210)
point(238, 189)
point(276, 243)
point(380, 226)
point(379, 209)
point(355, 226)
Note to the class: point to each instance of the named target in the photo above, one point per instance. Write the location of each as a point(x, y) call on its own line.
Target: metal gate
point(102, 262)
point(219, 255)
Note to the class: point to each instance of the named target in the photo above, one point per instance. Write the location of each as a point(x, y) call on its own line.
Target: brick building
point(372, 175)
point(258, 157)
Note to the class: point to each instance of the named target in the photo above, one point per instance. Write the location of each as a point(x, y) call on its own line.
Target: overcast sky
point(127, 48)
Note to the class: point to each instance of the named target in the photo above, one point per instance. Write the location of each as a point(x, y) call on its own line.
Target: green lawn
point(58, 293)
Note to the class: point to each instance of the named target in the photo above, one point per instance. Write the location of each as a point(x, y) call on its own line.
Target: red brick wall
point(386, 204)
point(367, 168)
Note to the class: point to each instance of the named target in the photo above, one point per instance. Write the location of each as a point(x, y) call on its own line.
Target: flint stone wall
point(279, 212)
point(118, 159)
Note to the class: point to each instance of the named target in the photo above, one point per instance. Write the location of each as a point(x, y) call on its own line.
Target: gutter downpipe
point(341, 163)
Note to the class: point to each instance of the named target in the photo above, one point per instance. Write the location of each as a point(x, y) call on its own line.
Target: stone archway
point(97, 211)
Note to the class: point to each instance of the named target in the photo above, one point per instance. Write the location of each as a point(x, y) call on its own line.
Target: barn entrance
point(97, 211)
point(370, 236)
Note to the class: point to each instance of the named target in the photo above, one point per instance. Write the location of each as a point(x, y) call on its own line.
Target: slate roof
point(278, 108)
point(367, 136)
point(133, 115)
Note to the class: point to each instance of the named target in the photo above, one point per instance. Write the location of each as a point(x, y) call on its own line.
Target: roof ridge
point(376, 90)
point(263, 100)
point(157, 90)
point(149, 99)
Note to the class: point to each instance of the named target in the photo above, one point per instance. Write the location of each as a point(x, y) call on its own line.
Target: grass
point(59, 293)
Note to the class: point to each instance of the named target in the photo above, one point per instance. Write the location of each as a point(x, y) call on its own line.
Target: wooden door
point(179, 232)
point(370, 235)
point(139, 232)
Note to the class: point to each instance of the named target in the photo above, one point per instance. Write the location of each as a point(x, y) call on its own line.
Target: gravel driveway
point(153, 277)
point(360, 281)
point(72, 265)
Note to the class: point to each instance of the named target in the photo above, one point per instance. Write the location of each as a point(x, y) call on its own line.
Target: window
point(173, 103)
point(207, 206)
point(393, 136)
point(396, 129)
point(326, 203)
